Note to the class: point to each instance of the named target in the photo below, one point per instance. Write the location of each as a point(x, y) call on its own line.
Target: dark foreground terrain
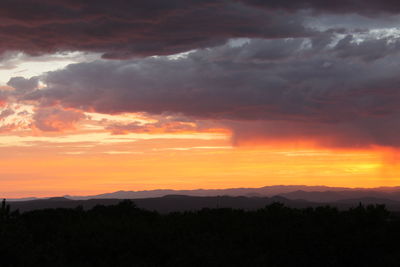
point(175, 203)
point(124, 235)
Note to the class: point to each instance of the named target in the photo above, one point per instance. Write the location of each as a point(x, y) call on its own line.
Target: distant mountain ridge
point(329, 196)
point(263, 191)
point(309, 193)
point(319, 194)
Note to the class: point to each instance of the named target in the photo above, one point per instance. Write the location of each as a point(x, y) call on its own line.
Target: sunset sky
point(100, 96)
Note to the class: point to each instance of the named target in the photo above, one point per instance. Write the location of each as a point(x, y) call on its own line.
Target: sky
point(100, 96)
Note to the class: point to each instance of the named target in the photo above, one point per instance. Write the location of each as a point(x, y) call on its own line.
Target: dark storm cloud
point(122, 29)
point(367, 50)
point(356, 133)
point(369, 7)
point(325, 89)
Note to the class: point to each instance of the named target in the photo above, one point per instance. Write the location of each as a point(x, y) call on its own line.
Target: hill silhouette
point(310, 193)
point(266, 191)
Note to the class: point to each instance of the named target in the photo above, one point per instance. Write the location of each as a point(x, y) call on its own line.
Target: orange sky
point(92, 163)
point(95, 153)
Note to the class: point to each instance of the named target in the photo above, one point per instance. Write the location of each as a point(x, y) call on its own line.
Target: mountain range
point(294, 192)
point(297, 196)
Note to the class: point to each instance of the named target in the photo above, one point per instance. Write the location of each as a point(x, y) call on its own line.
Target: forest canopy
point(124, 235)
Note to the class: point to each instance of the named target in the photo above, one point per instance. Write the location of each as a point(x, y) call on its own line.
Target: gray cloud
point(342, 93)
point(23, 85)
point(366, 7)
point(122, 29)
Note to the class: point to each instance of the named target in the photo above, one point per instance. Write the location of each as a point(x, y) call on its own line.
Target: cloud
point(367, 7)
point(23, 85)
point(359, 133)
point(3, 101)
point(56, 119)
point(165, 125)
point(123, 29)
point(135, 127)
point(5, 113)
point(320, 88)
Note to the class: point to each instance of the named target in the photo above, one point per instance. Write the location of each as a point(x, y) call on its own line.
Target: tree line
point(124, 235)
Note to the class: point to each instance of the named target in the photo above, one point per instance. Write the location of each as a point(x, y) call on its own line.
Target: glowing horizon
point(80, 168)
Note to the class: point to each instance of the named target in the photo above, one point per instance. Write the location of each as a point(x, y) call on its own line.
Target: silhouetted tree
point(5, 210)
point(125, 235)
